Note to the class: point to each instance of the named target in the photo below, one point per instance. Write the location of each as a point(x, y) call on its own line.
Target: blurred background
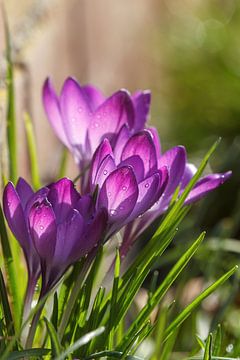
point(188, 53)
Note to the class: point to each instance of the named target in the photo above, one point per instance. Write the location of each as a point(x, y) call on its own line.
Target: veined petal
point(76, 112)
point(110, 117)
point(107, 166)
point(141, 101)
point(147, 196)
point(121, 140)
point(119, 194)
point(52, 108)
point(137, 165)
point(15, 216)
point(156, 140)
point(94, 233)
point(24, 190)
point(100, 154)
point(207, 184)
point(43, 229)
point(142, 145)
point(63, 196)
point(189, 172)
point(94, 95)
point(68, 237)
point(175, 160)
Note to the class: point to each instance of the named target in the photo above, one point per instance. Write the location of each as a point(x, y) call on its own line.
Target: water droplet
point(9, 203)
point(147, 185)
point(109, 194)
point(229, 348)
point(113, 212)
point(41, 227)
point(99, 116)
point(80, 109)
point(105, 172)
point(124, 188)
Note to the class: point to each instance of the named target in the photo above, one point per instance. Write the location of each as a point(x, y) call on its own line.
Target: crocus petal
point(142, 145)
point(110, 116)
point(121, 140)
point(119, 194)
point(68, 236)
point(76, 112)
point(189, 172)
point(24, 190)
point(207, 184)
point(175, 160)
point(141, 101)
point(94, 95)
point(63, 196)
point(15, 216)
point(85, 206)
point(147, 196)
point(101, 152)
point(137, 165)
point(107, 166)
point(156, 140)
point(43, 229)
point(52, 108)
point(94, 233)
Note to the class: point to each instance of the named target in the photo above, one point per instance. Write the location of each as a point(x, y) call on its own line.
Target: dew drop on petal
point(113, 212)
point(41, 227)
point(109, 194)
point(9, 203)
point(124, 188)
point(105, 172)
point(147, 185)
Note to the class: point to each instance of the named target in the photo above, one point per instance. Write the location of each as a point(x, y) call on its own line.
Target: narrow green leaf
point(10, 270)
point(159, 332)
point(6, 308)
point(200, 342)
point(161, 291)
point(217, 341)
point(208, 348)
point(31, 142)
point(27, 354)
point(188, 310)
point(113, 303)
point(81, 342)
point(11, 119)
point(55, 344)
point(54, 317)
point(63, 163)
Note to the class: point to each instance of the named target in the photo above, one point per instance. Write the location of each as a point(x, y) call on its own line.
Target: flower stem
point(34, 324)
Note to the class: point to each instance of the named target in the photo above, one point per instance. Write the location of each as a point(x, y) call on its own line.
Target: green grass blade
point(11, 119)
point(161, 291)
point(10, 270)
point(218, 341)
point(113, 303)
point(188, 310)
point(28, 354)
point(31, 142)
point(81, 342)
point(55, 344)
point(6, 308)
point(208, 348)
point(63, 163)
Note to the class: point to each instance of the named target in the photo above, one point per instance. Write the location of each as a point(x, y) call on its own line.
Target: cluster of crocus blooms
point(129, 182)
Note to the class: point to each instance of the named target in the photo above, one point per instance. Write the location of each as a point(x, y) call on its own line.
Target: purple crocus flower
point(81, 116)
point(180, 173)
point(150, 177)
point(130, 182)
point(55, 227)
